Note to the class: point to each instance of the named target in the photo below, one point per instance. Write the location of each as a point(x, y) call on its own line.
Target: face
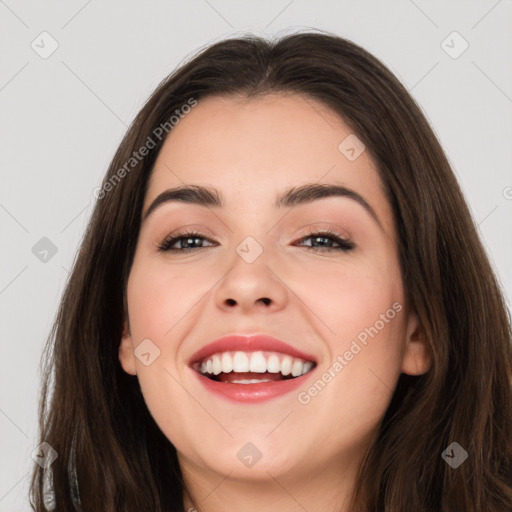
point(319, 274)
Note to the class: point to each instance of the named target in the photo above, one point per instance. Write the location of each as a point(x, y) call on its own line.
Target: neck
point(314, 488)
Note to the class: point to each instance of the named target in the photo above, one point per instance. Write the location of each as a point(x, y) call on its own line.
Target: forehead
point(232, 133)
point(251, 149)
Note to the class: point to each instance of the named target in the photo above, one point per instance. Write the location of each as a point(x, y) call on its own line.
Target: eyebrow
point(304, 194)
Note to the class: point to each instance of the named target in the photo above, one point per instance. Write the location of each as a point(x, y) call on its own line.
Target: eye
point(325, 239)
point(187, 240)
point(191, 240)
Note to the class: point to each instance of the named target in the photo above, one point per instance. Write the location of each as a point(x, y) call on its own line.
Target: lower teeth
point(249, 381)
point(246, 381)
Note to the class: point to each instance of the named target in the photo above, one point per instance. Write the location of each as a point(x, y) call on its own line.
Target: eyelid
point(191, 228)
point(335, 229)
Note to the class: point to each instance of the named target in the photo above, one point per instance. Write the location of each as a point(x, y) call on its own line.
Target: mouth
point(251, 369)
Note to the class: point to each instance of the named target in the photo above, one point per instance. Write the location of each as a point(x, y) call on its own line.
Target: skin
point(252, 150)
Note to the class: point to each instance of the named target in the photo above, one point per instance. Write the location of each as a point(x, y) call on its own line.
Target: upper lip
point(248, 343)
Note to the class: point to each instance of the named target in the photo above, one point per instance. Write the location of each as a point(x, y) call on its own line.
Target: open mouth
point(237, 367)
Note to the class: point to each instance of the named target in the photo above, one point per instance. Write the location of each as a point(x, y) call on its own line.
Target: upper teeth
point(256, 362)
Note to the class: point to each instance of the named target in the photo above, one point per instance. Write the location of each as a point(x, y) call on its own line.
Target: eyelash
point(344, 244)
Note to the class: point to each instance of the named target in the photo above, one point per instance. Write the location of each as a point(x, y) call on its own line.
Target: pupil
point(188, 241)
point(324, 240)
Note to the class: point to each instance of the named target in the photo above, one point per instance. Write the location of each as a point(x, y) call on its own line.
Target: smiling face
point(249, 266)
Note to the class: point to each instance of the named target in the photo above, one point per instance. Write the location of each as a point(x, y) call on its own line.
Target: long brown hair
point(111, 454)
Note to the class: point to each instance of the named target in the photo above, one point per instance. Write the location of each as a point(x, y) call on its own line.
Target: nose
point(251, 287)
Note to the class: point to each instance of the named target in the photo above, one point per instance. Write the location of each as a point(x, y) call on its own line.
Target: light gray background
point(62, 118)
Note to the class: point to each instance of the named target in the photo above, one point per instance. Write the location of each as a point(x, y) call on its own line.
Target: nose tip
point(254, 286)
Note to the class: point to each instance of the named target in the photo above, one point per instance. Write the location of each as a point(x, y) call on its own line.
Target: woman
point(280, 303)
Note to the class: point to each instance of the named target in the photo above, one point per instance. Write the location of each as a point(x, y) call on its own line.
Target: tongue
point(230, 377)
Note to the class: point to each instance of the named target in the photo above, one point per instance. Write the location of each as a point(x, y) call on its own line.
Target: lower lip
point(251, 393)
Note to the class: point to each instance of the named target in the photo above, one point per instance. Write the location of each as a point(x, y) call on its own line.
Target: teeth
point(297, 368)
point(240, 362)
point(307, 366)
point(227, 363)
point(217, 365)
point(249, 381)
point(273, 365)
point(255, 362)
point(258, 363)
point(286, 365)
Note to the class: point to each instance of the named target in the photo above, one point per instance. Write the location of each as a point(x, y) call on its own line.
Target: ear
point(126, 355)
point(416, 359)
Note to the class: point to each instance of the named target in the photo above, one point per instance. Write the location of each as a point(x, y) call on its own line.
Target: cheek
point(159, 297)
point(351, 298)
point(158, 302)
point(365, 309)
point(361, 308)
